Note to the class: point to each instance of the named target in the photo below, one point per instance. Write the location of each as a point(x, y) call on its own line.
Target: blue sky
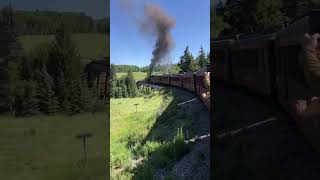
point(93, 8)
point(129, 46)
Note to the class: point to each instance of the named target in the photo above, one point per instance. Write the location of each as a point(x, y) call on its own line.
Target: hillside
point(89, 44)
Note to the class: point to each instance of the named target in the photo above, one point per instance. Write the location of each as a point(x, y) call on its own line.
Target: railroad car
point(188, 81)
point(175, 80)
point(221, 56)
point(271, 65)
point(193, 82)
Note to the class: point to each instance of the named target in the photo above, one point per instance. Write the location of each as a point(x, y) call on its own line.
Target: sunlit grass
point(45, 147)
point(136, 75)
point(131, 132)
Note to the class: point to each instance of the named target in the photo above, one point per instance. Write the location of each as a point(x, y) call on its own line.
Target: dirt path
point(272, 150)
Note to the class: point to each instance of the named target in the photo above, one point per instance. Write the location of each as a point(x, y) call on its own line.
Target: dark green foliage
point(163, 68)
point(86, 99)
point(268, 16)
point(113, 74)
point(146, 172)
point(48, 78)
point(27, 103)
point(73, 98)
point(131, 85)
point(48, 102)
point(261, 16)
point(124, 87)
point(187, 62)
point(65, 69)
point(48, 22)
point(124, 68)
point(202, 59)
point(10, 52)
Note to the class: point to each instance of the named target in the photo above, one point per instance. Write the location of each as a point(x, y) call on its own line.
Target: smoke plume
point(155, 23)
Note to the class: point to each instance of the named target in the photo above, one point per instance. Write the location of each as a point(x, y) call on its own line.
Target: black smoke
point(156, 23)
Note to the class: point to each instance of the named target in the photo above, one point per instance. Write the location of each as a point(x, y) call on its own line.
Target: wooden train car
point(160, 79)
point(193, 82)
point(251, 63)
point(175, 80)
point(272, 65)
point(221, 56)
point(188, 81)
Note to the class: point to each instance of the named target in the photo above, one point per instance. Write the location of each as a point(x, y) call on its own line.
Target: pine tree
point(94, 97)
point(131, 85)
point(268, 16)
point(29, 102)
point(187, 62)
point(202, 59)
point(65, 69)
point(10, 52)
point(86, 100)
point(48, 103)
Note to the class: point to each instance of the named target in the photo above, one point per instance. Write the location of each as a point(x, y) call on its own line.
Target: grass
point(45, 147)
point(89, 44)
point(145, 135)
point(136, 75)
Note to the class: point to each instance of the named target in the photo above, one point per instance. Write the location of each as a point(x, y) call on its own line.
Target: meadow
point(90, 45)
point(148, 138)
point(46, 147)
point(136, 75)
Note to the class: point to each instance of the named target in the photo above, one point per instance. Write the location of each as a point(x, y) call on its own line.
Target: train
point(192, 81)
point(270, 65)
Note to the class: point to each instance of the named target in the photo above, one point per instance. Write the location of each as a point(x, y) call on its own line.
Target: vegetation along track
point(194, 118)
point(275, 149)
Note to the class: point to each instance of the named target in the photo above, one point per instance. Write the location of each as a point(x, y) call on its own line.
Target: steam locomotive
point(270, 65)
point(193, 82)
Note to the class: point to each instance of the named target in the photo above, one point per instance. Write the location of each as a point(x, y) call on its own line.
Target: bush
point(146, 172)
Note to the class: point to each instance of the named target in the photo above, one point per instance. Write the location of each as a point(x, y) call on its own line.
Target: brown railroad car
point(272, 65)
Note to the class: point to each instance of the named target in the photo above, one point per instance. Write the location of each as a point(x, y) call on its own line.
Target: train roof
point(295, 31)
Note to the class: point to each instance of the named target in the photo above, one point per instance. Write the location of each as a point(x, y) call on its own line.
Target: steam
point(156, 23)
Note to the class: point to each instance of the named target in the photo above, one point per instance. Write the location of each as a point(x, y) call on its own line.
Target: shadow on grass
point(165, 142)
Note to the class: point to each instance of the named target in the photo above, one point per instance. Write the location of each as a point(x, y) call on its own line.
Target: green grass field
point(136, 75)
point(148, 135)
point(90, 44)
point(45, 147)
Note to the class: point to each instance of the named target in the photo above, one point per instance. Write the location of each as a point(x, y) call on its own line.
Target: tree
point(202, 58)
point(28, 103)
point(268, 16)
point(85, 95)
point(48, 102)
point(65, 69)
point(10, 52)
point(131, 85)
point(187, 62)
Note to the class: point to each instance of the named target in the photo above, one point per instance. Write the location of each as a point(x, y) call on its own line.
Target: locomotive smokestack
point(157, 23)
